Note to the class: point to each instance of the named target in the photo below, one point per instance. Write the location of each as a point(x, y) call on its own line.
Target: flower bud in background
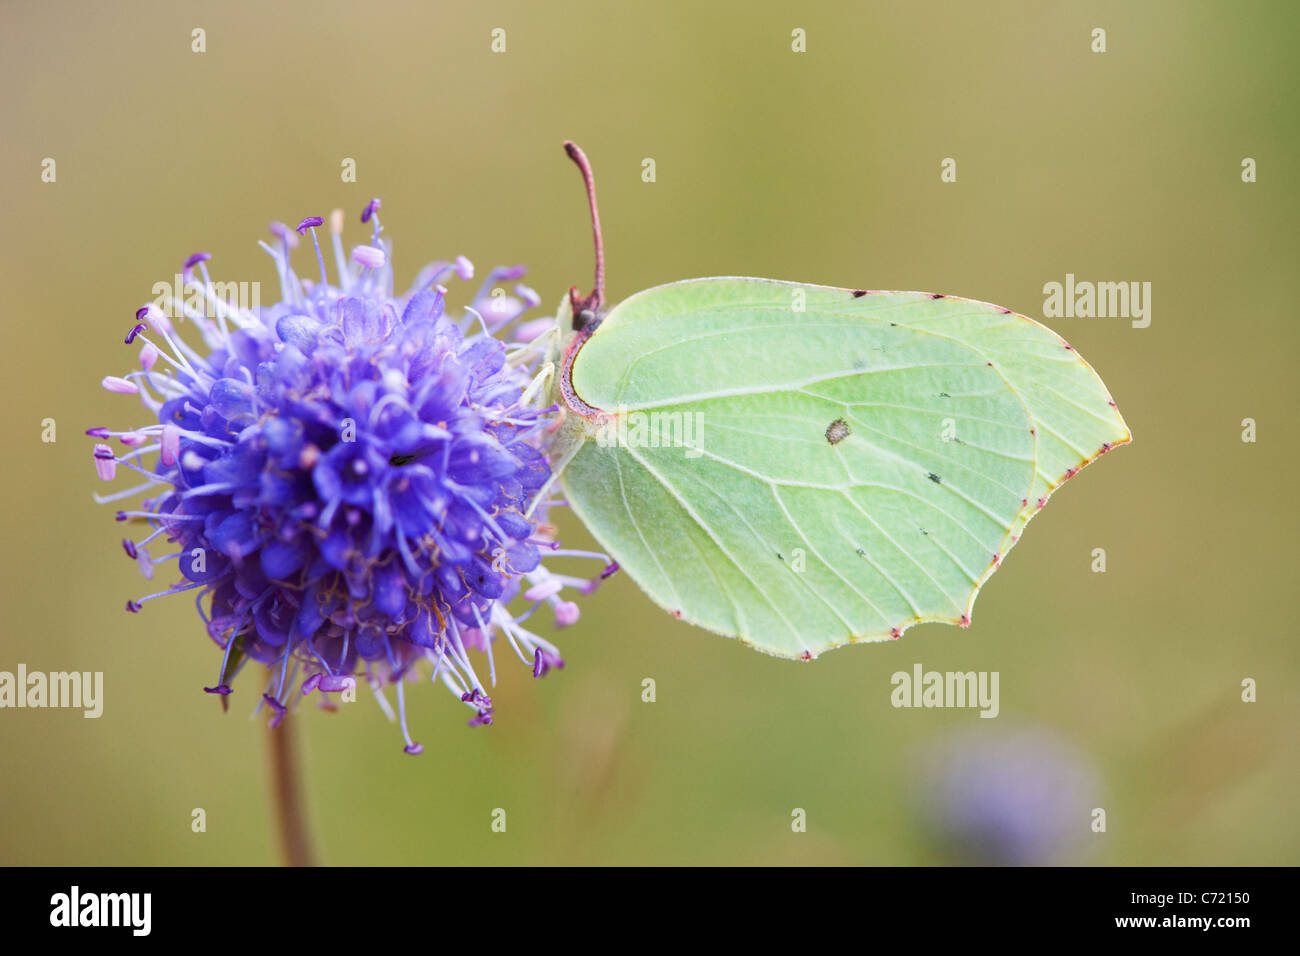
point(1015, 796)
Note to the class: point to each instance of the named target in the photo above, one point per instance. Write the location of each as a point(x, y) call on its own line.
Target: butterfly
point(799, 466)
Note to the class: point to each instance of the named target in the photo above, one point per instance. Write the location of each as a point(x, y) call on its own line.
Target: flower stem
point(294, 840)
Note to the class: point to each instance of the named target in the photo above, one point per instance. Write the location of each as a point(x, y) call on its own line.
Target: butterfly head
point(586, 311)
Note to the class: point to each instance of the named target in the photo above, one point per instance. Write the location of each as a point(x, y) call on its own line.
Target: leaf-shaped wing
point(801, 467)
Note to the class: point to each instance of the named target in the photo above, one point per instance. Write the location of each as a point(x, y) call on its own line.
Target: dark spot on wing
point(944, 395)
point(936, 295)
point(935, 478)
point(837, 431)
point(859, 293)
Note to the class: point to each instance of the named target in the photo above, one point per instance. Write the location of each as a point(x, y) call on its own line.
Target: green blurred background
point(821, 167)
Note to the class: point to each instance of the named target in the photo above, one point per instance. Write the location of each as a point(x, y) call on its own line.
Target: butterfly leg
point(539, 383)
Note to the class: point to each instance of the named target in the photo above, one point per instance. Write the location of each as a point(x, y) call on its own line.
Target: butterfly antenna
point(591, 305)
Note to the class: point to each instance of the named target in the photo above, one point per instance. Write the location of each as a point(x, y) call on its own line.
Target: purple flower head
point(1018, 797)
point(354, 484)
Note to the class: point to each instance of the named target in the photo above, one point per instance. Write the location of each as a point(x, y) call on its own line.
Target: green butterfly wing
point(801, 467)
